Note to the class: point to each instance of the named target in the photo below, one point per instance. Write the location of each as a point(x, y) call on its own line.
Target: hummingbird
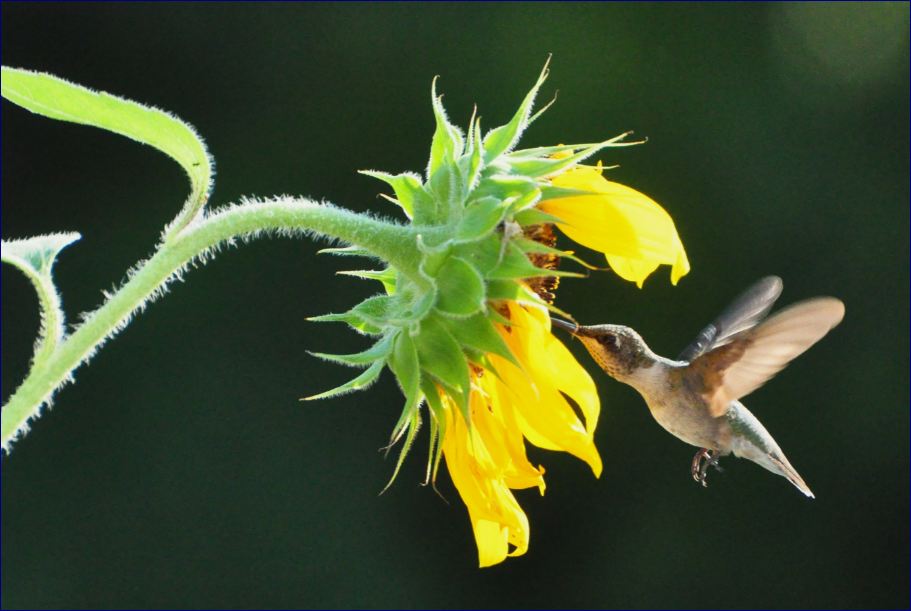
point(696, 397)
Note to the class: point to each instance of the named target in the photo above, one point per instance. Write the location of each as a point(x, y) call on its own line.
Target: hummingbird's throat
point(620, 353)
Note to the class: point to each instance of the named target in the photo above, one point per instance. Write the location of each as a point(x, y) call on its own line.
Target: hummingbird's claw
point(704, 459)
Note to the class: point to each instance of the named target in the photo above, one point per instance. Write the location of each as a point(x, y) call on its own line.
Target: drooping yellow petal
point(632, 230)
point(496, 517)
point(500, 446)
point(487, 460)
point(539, 390)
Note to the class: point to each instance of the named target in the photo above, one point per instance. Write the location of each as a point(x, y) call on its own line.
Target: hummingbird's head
point(619, 350)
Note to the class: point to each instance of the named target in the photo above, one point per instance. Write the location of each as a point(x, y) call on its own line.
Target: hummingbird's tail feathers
point(785, 469)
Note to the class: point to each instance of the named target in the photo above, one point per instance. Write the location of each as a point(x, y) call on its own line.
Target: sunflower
point(464, 318)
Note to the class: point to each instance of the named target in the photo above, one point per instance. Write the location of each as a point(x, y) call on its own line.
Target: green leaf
point(35, 257)
point(56, 98)
point(504, 138)
point(461, 288)
point(441, 356)
point(379, 350)
point(362, 381)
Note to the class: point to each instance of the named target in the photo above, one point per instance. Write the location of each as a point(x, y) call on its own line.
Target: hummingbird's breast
point(682, 412)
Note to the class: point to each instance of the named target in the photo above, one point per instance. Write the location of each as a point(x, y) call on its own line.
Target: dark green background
point(182, 471)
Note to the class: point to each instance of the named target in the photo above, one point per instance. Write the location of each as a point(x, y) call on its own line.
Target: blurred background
point(182, 471)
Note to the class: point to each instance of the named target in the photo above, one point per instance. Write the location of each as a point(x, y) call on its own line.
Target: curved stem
point(391, 242)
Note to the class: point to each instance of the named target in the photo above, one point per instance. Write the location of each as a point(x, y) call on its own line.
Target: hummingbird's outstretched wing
point(749, 359)
point(743, 313)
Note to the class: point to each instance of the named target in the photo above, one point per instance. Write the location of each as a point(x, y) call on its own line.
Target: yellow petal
point(487, 459)
point(496, 518)
point(539, 391)
point(492, 541)
point(634, 270)
point(630, 228)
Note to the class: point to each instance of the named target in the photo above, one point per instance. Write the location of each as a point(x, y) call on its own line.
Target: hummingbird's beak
point(570, 327)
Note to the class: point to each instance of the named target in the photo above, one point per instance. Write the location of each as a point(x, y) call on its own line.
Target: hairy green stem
point(391, 242)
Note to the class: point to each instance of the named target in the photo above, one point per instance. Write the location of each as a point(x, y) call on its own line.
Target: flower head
point(466, 332)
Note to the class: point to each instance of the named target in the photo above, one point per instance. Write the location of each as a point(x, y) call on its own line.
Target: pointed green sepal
point(504, 138)
point(530, 246)
point(515, 265)
point(352, 319)
point(542, 167)
point(446, 186)
point(437, 420)
point(409, 193)
point(362, 381)
point(447, 140)
point(479, 334)
point(405, 366)
point(421, 305)
point(433, 256)
point(548, 191)
point(441, 356)
point(483, 254)
point(378, 351)
point(533, 216)
point(476, 159)
point(461, 288)
point(386, 276)
point(503, 290)
point(413, 426)
point(346, 251)
point(481, 217)
point(503, 186)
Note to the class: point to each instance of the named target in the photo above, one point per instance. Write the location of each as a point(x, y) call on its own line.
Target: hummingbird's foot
point(704, 459)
